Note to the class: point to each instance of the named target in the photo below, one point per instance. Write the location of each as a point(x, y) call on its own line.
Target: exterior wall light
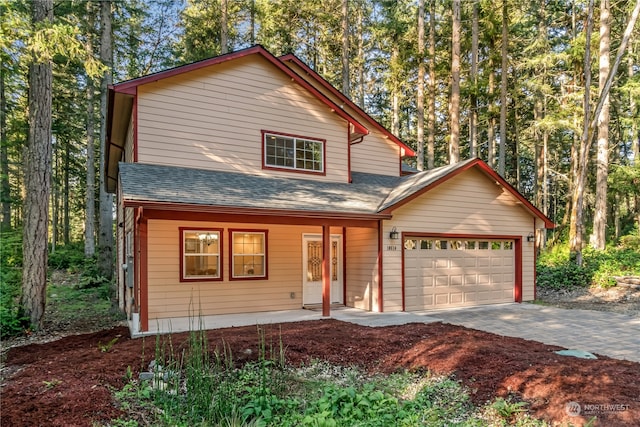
point(531, 238)
point(393, 235)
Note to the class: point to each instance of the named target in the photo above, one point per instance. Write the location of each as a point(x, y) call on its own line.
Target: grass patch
point(198, 386)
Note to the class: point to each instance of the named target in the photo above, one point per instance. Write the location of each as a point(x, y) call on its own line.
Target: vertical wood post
point(144, 277)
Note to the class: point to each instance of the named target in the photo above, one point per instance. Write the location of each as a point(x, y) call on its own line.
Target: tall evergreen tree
point(105, 233)
point(37, 177)
point(599, 236)
point(454, 114)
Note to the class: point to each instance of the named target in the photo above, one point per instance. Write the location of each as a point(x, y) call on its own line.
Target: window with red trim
point(293, 152)
point(201, 255)
point(248, 254)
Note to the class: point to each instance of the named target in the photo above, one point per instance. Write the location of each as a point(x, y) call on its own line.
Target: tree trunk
point(105, 235)
point(395, 95)
point(224, 29)
point(576, 230)
point(5, 188)
point(473, 114)
point(635, 135)
point(454, 113)
point(431, 118)
point(599, 236)
point(502, 148)
point(55, 197)
point(491, 127)
point(420, 91)
point(90, 201)
point(90, 198)
point(65, 195)
point(576, 224)
point(252, 22)
point(37, 179)
point(360, 57)
point(345, 48)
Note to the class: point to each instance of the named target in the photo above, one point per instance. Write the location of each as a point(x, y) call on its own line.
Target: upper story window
point(201, 255)
point(290, 152)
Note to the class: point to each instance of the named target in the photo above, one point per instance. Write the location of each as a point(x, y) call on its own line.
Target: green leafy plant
point(507, 409)
point(52, 384)
point(104, 348)
point(556, 271)
point(199, 385)
point(11, 321)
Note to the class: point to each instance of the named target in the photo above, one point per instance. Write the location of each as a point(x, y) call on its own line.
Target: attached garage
point(453, 271)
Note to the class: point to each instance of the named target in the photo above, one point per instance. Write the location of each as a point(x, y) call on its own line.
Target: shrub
point(555, 270)
point(68, 257)
point(11, 323)
point(564, 276)
point(631, 242)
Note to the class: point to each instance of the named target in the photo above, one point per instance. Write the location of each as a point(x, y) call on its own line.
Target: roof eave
point(488, 171)
point(292, 58)
point(219, 209)
point(129, 86)
point(116, 134)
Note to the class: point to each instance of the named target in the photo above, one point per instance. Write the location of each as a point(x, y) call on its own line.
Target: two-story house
point(247, 183)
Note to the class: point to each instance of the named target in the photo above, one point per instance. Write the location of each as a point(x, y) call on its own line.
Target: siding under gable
point(375, 154)
point(212, 119)
point(468, 203)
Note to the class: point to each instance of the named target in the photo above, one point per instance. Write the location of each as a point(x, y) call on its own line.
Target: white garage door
point(443, 273)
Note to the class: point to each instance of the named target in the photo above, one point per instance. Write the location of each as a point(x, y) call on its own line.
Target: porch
point(220, 321)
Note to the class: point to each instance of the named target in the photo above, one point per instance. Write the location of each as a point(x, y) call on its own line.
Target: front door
point(312, 269)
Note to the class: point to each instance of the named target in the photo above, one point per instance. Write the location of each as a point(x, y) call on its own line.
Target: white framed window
point(248, 254)
point(200, 254)
point(291, 152)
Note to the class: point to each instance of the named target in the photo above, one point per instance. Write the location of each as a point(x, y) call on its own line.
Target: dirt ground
point(69, 381)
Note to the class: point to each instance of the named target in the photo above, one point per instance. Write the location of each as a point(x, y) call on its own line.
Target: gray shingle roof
point(367, 194)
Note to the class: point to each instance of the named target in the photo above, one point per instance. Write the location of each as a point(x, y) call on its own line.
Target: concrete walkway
point(610, 334)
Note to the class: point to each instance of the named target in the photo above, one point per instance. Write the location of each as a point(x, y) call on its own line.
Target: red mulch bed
point(69, 382)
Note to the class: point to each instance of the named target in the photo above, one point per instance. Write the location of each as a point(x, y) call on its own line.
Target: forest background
point(547, 92)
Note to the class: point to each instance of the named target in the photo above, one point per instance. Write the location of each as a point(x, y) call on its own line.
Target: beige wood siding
point(212, 119)
point(376, 154)
point(168, 297)
point(469, 203)
point(362, 268)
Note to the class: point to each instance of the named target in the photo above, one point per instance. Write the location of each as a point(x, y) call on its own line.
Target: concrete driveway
point(611, 334)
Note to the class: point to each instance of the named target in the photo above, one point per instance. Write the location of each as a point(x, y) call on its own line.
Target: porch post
point(326, 270)
point(143, 304)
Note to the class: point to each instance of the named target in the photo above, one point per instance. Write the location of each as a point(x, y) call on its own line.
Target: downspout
point(135, 127)
point(351, 142)
point(535, 261)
